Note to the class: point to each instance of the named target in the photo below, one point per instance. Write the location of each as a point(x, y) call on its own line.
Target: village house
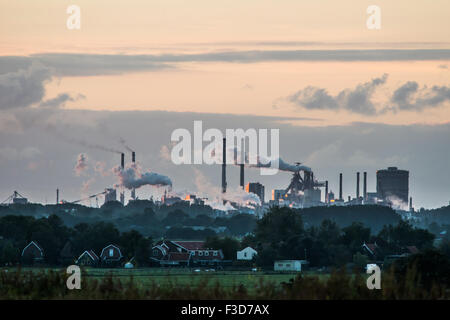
point(289, 265)
point(32, 253)
point(185, 253)
point(246, 254)
point(88, 258)
point(111, 255)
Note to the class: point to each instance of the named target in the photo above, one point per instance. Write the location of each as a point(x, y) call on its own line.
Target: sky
point(313, 69)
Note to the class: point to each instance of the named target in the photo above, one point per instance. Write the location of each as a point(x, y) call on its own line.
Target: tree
point(229, 246)
point(355, 235)
point(404, 234)
point(129, 242)
point(142, 251)
point(278, 225)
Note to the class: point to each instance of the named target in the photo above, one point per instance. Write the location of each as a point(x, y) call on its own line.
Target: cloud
point(357, 100)
point(407, 97)
point(24, 87)
point(60, 100)
point(15, 154)
point(79, 64)
point(410, 97)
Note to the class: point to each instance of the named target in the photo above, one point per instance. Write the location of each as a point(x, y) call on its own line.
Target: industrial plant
point(304, 189)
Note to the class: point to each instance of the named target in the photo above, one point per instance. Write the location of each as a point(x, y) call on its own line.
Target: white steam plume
point(133, 177)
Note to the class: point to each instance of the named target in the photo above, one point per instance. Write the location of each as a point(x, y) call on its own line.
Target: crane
point(16, 197)
point(87, 198)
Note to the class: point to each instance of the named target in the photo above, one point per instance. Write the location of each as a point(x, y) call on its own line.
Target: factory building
point(393, 183)
point(110, 195)
point(277, 194)
point(256, 188)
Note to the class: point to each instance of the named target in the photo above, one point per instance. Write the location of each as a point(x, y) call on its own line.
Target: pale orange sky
point(168, 26)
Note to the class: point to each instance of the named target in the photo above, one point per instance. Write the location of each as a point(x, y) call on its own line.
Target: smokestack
point(340, 187)
point(57, 196)
point(365, 186)
point(224, 166)
point(357, 185)
point(326, 192)
point(122, 165)
point(133, 159)
point(242, 175)
point(410, 204)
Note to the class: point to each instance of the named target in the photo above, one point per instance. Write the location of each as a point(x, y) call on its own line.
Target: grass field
point(178, 277)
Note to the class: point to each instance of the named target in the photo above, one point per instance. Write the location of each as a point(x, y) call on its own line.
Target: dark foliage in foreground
point(415, 279)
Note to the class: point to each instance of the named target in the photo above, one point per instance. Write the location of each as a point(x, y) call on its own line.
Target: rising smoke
point(133, 177)
point(215, 197)
point(81, 165)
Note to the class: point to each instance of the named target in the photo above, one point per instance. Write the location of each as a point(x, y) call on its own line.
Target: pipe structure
point(133, 159)
point(357, 185)
point(365, 186)
point(224, 166)
point(242, 183)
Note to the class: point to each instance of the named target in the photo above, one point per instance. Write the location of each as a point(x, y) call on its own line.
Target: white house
point(288, 265)
point(246, 254)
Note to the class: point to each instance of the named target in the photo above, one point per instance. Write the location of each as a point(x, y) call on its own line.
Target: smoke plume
point(81, 165)
point(133, 177)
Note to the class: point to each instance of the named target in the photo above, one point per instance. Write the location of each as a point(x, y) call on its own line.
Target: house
point(246, 254)
point(88, 258)
point(289, 265)
point(111, 255)
point(176, 259)
point(33, 253)
point(185, 253)
point(370, 248)
point(207, 257)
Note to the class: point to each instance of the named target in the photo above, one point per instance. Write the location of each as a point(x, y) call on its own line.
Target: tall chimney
point(340, 187)
point(365, 186)
point(410, 204)
point(357, 185)
point(133, 159)
point(122, 165)
point(326, 192)
point(224, 166)
point(242, 175)
point(57, 196)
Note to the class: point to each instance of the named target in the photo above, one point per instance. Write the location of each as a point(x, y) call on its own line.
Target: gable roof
point(113, 246)
point(33, 243)
point(371, 247)
point(90, 254)
point(247, 249)
point(190, 245)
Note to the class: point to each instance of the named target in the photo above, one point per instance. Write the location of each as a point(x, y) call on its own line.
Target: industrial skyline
point(345, 98)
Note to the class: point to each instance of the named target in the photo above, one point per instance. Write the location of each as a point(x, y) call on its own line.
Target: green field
point(178, 277)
